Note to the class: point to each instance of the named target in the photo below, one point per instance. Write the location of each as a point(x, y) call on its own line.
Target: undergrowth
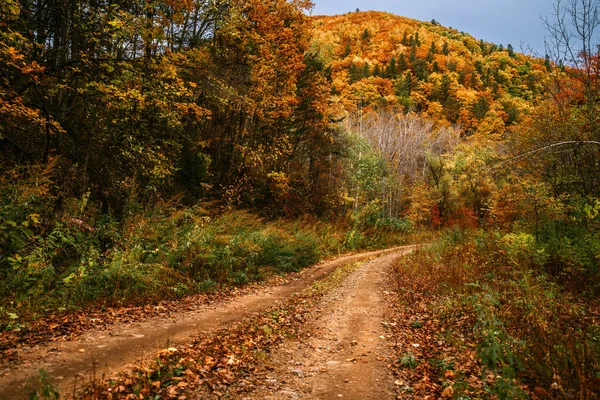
point(54, 262)
point(535, 332)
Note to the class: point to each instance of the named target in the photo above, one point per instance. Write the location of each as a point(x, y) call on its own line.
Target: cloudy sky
point(516, 22)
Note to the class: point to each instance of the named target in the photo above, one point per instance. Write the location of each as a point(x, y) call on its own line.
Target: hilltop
point(379, 59)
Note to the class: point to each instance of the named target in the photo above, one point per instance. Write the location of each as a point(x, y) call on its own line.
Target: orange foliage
point(370, 48)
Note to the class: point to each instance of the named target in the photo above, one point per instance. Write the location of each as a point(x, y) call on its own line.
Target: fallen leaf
point(448, 392)
point(449, 374)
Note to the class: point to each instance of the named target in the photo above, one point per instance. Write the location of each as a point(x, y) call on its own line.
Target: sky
point(517, 22)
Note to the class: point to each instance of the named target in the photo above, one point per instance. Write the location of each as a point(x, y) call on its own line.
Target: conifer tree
point(548, 64)
point(413, 55)
point(366, 71)
point(511, 50)
point(402, 65)
point(445, 49)
point(392, 69)
point(377, 70)
point(355, 74)
point(365, 35)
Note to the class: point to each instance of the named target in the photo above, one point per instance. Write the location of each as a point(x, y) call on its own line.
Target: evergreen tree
point(402, 65)
point(377, 70)
point(420, 69)
point(442, 92)
point(473, 81)
point(511, 50)
point(392, 69)
point(481, 107)
point(366, 71)
point(445, 49)
point(479, 67)
point(413, 55)
point(451, 65)
point(403, 86)
point(354, 73)
point(366, 34)
point(433, 48)
point(548, 64)
point(347, 50)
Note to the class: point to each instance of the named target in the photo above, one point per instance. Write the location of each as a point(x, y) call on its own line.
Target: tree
point(481, 107)
point(355, 73)
point(572, 40)
point(511, 50)
point(562, 148)
point(366, 70)
point(403, 141)
point(405, 41)
point(347, 50)
point(403, 86)
point(402, 65)
point(365, 35)
point(413, 55)
point(391, 70)
point(548, 63)
point(445, 49)
point(483, 47)
point(129, 94)
point(433, 48)
point(377, 70)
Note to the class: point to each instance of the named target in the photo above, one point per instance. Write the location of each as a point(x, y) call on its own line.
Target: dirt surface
point(348, 347)
point(121, 346)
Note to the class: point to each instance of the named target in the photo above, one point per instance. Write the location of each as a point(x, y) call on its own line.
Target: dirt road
point(346, 354)
point(98, 351)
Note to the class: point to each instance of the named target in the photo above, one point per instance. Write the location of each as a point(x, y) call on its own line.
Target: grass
point(530, 331)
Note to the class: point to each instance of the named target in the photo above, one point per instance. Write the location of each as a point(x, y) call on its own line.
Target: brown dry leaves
point(225, 362)
point(435, 358)
point(70, 325)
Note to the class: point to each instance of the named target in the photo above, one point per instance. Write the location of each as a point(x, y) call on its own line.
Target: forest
point(154, 150)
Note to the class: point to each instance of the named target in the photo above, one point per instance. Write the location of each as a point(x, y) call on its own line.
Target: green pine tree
point(445, 49)
point(402, 65)
point(511, 50)
point(548, 64)
point(413, 55)
point(392, 70)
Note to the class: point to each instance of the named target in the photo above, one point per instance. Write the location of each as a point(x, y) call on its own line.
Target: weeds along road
point(107, 352)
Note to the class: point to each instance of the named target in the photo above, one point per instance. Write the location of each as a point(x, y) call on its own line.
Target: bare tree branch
point(544, 148)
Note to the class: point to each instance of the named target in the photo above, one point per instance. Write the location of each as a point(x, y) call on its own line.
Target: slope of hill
point(380, 59)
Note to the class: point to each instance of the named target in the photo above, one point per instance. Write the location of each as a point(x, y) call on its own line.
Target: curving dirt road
point(345, 357)
point(109, 351)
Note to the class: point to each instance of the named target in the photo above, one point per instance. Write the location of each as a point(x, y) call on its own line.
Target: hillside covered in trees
point(155, 149)
point(378, 59)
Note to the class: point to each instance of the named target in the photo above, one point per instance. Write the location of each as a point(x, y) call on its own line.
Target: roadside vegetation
point(162, 252)
point(496, 297)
